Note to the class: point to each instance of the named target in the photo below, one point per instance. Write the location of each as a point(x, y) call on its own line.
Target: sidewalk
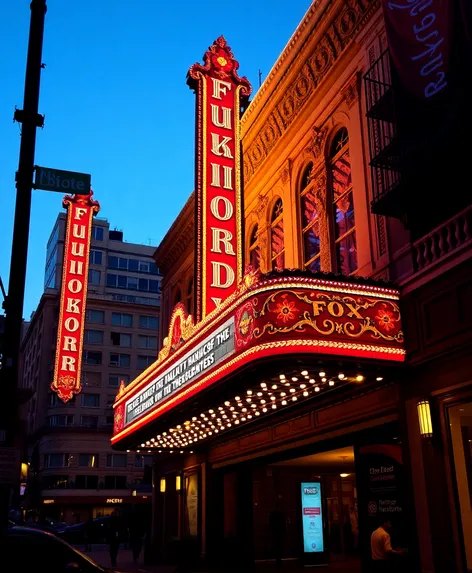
point(101, 556)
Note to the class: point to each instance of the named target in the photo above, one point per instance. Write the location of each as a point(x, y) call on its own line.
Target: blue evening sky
point(117, 105)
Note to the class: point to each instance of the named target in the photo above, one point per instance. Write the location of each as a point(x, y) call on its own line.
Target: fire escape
point(416, 152)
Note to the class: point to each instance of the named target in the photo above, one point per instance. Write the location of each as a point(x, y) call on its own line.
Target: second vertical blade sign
point(70, 330)
point(220, 95)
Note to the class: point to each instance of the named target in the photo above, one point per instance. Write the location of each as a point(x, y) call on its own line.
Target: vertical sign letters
point(70, 330)
point(220, 95)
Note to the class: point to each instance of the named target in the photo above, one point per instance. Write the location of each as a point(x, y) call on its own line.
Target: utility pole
point(30, 120)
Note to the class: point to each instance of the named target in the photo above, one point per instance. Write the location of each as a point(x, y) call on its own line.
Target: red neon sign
point(220, 94)
point(70, 330)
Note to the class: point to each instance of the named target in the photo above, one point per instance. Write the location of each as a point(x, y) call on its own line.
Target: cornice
point(273, 119)
point(178, 237)
point(267, 84)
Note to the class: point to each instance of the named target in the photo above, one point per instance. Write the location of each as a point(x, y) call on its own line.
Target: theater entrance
point(329, 526)
point(315, 505)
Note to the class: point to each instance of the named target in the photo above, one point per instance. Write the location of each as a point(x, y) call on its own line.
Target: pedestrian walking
point(136, 533)
point(277, 526)
point(114, 536)
point(88, 530)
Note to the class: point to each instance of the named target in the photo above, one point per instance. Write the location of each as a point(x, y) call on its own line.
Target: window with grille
point(277, 248)
point(343, 220)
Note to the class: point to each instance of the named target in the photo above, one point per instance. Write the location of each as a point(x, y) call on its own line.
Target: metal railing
point(453, 235)
point(381, 126)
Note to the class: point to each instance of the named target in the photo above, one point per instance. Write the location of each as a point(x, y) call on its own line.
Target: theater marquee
point(70, 330)
point(264, 318)
point(220, 95)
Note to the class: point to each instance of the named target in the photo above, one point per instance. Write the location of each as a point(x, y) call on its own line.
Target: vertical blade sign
point(220, 95)
point(70, 330)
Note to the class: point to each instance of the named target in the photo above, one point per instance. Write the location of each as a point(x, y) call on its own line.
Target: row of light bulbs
point(264, 399)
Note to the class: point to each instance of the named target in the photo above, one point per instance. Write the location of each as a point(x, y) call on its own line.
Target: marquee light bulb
point(304, 372)
point(331, 382)
point(341, 376)
point(359, 378)
point(379, 378)
point(282, 377)
point(294, 378)
point(322, 374)
point(317, 388)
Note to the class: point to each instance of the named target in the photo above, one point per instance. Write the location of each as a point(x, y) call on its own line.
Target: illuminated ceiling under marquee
point(283, 315)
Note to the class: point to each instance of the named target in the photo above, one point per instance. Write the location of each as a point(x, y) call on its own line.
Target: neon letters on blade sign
point(70, 330)
point(220, 94)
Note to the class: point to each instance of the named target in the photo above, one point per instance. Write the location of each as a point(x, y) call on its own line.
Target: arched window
point(277, 250)
point(189, 296)
point(310, 222)
point(178, 296)
point(254, 249)
point(343, 222)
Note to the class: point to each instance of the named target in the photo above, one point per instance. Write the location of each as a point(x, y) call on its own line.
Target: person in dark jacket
point(136, 534)
point(277, 523)
point(114, 536)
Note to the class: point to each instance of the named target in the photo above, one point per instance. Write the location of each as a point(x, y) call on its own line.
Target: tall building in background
point(73, 470)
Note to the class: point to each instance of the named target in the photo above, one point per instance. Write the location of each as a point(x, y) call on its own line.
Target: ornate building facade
point(321, 202)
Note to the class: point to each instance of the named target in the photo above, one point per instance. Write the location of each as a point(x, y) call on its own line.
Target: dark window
point(142, 461)
point(254, 248)
point(96, 257)
point(86, 482)
point(120, 339)
point(343, 204)
point(154, 286)
point(115, 379)
point(92, 357)
point(310, 221)
point(56, 460)
point(115, 482)
point(120, 319)
point(117, 460)
point(112, 262)
point(91, 400)
point(122, 281)
point(54, 482)
point(88, 460)
point(54, 400)
point(94, 277)
point(93, 336)
point(109, 421)
point(133, 265)
point(89, 421)
point(122, 360)
point(96, 316)
point(91, 379)
point(277, 248)
point(144, 361)
point(110, 399)
point(111, 280)
point(97, 233)
point(149, 322)
point(148, 342)
point(61, 420)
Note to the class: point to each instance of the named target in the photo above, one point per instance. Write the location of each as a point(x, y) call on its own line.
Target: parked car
point(32, 550)
point(97, 531)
